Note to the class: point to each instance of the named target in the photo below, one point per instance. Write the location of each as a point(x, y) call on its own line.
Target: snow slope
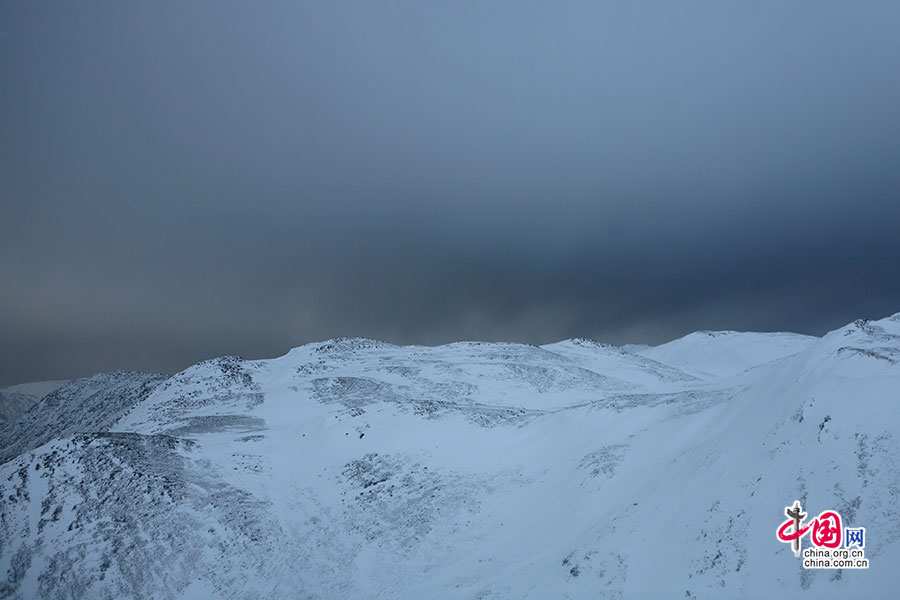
point(711, 355)
point(90, 404)
point(357, 469)
point(16, 399)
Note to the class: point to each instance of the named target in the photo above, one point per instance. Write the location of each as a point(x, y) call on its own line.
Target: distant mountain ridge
point(353, 468)
point(16, 399)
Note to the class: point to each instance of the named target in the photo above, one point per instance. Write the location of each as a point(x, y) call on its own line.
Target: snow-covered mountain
point(16, 399)
point(358, 469)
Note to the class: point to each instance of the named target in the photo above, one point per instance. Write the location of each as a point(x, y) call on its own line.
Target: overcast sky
point(182, 180)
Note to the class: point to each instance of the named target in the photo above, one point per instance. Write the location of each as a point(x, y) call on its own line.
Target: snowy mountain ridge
point(16, 399)
point(353, 468)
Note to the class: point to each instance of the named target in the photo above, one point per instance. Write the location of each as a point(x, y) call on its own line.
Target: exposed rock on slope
point(82, 405)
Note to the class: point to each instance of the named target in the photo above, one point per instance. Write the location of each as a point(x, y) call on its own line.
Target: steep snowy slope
point(358, 469)
point(16, 399)
point(90, 404)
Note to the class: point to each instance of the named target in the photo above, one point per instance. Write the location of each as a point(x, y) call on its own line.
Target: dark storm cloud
point(183, 180)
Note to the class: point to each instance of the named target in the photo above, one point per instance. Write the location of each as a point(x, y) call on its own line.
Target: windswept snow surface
point(712, 355)
point(358, 469)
